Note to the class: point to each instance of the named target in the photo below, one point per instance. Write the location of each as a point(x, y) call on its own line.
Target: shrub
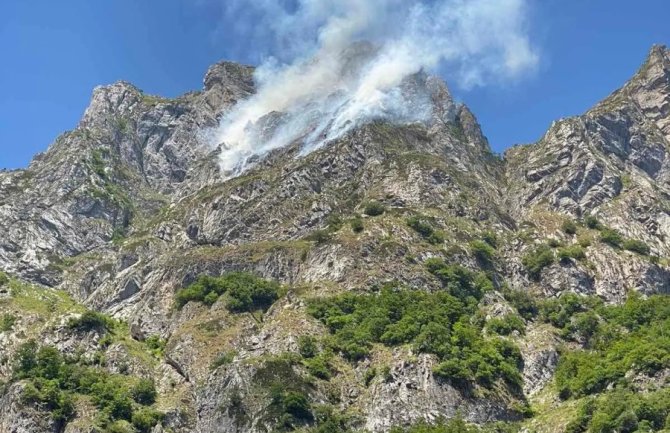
point(625, 339)
point(145, 419)
point(357, 225)
point(636, 246)
point(246, 292)
point(569, 227)
point(592, 222)
point(4, 279)
point(374, 208)
point(156, 345)
point(483, 251)
point(490, 238)
point(307, 346)
point(435, 323)
point(572, 252)
point(91, 321)
point(319, 366)
point(369, 376)
point(584, 241)
point(257, 294)
point(422, 227)
point(7, 323)
point(334, 222)
point(223, 359)
point(507, 324)
point(144, 392)
point(53, 379)
point(297, 404)
point(554, 243)
point(319, 236)
point(611, 237)
point(523, 301)
point(538, 259)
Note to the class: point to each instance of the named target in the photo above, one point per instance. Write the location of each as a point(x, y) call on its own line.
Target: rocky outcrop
point(131, 206)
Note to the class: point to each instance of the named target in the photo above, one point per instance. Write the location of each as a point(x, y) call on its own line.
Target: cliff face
point(128, 208)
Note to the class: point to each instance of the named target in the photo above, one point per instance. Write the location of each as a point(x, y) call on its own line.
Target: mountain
point(401, 274)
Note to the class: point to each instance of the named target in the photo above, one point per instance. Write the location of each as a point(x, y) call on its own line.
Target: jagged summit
point(128, 209)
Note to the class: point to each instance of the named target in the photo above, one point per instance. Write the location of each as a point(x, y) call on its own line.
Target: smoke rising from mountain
point(322, 80)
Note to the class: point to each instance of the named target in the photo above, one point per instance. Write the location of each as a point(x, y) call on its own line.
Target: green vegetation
point(426, 230)
point(244, 292)
point(54, 380)
point(223, 359)
point(319, 236)
point(623, 411)
point(437, 323)
point(490, 238)
point(457, 425)
point(374, 208)
point(483, 251)
point(569, 227)
point(553, 243)
point(357, 225)
point(7, 322)
point(307, 346)
point(4, 279)
point(636, 246)
point(592, 222)
point(615, 239)
point(507, 324)
point(156, 345)
point(91, 321)
point(537, 259)
point(572, 252)
point(611, 237)
point(623, 339)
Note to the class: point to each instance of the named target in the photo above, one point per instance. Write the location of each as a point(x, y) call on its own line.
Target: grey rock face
point(131, 206)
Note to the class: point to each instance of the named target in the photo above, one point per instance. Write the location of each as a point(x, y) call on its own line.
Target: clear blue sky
point(54, 52)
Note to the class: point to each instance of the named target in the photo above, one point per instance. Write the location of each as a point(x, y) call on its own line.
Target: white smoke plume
point(323, 80)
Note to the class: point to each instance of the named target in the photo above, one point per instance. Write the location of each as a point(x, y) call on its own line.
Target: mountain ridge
point(127, 210)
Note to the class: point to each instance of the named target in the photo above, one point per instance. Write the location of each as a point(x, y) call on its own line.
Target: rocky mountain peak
point(129, 213)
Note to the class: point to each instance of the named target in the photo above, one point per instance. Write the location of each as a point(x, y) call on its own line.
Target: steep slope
point(419, 272)
point(611, 163)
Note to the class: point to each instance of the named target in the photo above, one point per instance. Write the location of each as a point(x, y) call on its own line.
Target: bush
point(246, 292)
point(523, 301)
point(490, 238)
point(144, 392)
point(91, 321)
point(625, 339)
point(422, 227)
point(611, 237)
point(7, 323)
point(357, 225)
point(374, 208)
point(4, 279)
point(223, 359)
point(319, 366)
point(52, 381)
point(435, 323)
point(592, 222)
point(572, 252)
point(554, 243)
point(507, 324)
point(145, 419)
point(307, 346)
point(319, 236)
point(636, 246)
point(569, 227)
point(483, 251)
point(156, 345)
point(538, 259)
